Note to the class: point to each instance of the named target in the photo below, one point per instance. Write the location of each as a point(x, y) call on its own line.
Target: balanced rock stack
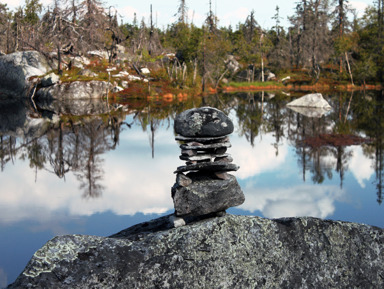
point(203, 185)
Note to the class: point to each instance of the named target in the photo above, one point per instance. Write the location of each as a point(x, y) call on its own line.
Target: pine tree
point(182, 12)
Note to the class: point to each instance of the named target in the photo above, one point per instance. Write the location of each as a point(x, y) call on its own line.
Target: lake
point(94, 168)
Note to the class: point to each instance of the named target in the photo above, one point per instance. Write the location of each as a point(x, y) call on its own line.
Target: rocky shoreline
point(214, 252)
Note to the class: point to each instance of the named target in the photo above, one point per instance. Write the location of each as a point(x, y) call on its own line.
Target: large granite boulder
point(16, 70)
point(227, 252)
point(75, 90)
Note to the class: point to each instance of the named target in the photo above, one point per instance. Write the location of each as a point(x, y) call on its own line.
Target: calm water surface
point(66, 173)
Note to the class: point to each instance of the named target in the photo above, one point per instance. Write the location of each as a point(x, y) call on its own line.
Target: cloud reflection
point(134, 182)
point(300, 200)
point(361, 166)
point(260, 158)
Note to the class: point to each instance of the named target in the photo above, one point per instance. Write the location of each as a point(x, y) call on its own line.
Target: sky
point(228, 12)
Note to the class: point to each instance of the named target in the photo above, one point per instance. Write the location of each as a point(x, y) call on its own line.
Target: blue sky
point(228, 12)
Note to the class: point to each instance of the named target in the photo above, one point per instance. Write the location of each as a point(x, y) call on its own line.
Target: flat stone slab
point(198, 146)
point(206, 195)
point(208, 167)
point(202, 157)
point(203, 122)
point(203, 140)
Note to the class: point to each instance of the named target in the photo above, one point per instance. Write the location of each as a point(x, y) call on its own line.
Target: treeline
point(325, 37)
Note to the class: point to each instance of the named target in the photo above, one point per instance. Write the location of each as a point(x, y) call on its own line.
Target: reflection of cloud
point(133, 183)
point(260, 158)
point(301, 200)
point(360, 166)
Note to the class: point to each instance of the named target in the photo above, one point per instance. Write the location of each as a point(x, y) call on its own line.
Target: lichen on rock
point(227, 252)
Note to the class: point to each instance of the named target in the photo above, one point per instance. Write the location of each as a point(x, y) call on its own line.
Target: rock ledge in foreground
point(227, 252)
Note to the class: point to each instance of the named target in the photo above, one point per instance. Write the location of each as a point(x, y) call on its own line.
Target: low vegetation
point(326, 45)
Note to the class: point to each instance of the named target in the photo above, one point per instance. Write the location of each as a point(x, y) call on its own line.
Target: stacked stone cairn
point(203, 185)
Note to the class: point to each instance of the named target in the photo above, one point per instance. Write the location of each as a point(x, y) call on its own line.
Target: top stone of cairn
point(203, 122)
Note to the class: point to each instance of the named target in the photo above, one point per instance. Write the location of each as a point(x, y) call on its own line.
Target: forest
point(325, 39)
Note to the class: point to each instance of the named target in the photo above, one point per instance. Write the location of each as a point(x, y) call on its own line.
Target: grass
point(255, 83)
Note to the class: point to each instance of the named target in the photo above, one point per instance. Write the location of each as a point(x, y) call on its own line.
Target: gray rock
point(227, 252)
point(75, 90)
point(315, 112)
point(182, 180)
point(199, 146)
point(203, 122)
point(177, 221)
point(50, 79)
point(87, 72)
point(189, 152)
point(270, 76)
point(202, 157)
point(80, 107)
point(227, 159)
point(16, 70)
point(208, 167)
point(222, 175)
point(13, 115)
point(203, 140)
point(206, 195)
point(232, 64)
point(98, 53)
point(311, 100)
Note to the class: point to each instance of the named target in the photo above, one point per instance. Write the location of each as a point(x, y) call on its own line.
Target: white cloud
point(14, 3)
point(129, 13)
point(239, 14)
point(359, 6)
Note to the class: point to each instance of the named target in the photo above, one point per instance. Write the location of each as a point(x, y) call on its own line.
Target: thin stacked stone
point(203, 185)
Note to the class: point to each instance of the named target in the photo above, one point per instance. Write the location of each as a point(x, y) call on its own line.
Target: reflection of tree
point(312, 158)
point(7, 150)
point(93, 143)
point(275, 120)
point(368, 112)
point(250, 116)
point(56, 152)
point(36, 156)
point(342, 157)
point(379, 140)
point(74, 144)
point(150, 119)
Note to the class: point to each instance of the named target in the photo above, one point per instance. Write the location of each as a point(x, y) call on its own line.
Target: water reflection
point(71, 141)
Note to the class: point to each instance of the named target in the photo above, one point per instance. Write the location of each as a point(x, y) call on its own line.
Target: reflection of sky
point(361, 166)
point(271, 183)
point(136, 183)
point(138, 188)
